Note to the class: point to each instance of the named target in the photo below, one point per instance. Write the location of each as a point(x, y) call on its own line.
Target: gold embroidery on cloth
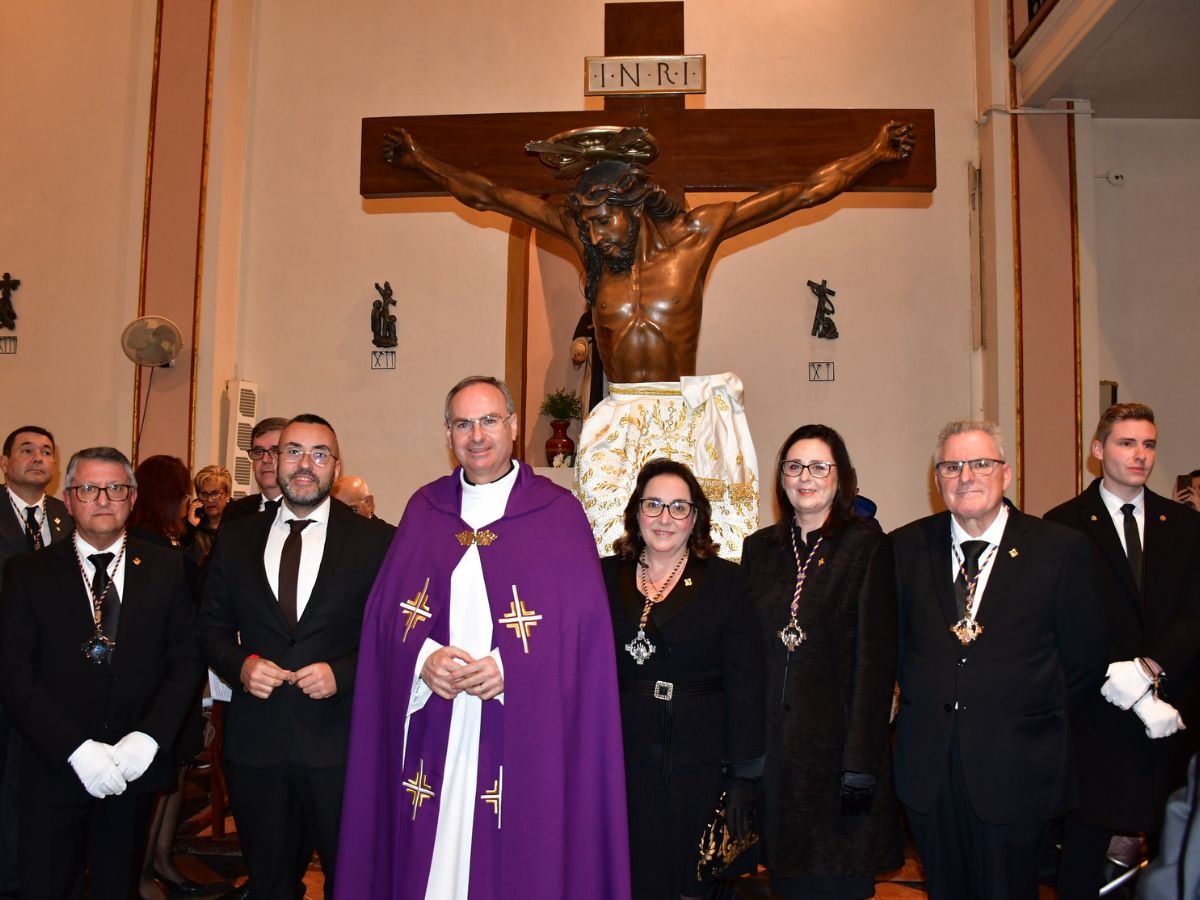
point(415, 610)
point(483, 538)
point(495, 796)
point(520, 619)
point(419, 788)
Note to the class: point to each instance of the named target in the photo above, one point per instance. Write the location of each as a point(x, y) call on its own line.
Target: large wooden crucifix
point(481, 160)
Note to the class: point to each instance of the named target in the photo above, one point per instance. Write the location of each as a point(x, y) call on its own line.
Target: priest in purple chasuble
point(485, 750)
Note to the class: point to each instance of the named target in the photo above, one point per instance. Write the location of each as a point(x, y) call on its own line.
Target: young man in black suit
point(100, 665)
point(1146, 557)
point(292, 587)
point(999, 640)
point(29, 521)
point(264, 438)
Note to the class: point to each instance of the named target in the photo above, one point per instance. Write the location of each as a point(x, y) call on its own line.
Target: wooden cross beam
point(701, 149)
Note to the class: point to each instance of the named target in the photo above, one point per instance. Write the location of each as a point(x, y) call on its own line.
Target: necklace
point(792, 635)
point(99, 647)
point(641, 648)
point(967, 629)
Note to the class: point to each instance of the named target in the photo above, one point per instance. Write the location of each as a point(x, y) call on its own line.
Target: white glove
point(1161, 718)
point(1127, 682)
point(134, 753)
point(94, 766)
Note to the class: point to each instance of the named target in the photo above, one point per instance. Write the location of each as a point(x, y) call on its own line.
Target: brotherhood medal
point(967, 629)
point(99, 648)
point(792, 635)
point(641, 648)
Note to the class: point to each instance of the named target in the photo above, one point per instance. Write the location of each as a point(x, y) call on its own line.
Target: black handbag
point(718, 847)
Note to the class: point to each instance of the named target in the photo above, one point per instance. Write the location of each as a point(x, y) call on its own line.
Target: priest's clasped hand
point(450, 671)
point(97, 772)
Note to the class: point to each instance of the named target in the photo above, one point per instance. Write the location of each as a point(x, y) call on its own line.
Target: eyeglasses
point(489, 423)
point(320, 458)
point(652, 508)
point(952, 468)
point(257, 453)
point(211, 495)
point(793, 467)
point(90, 493)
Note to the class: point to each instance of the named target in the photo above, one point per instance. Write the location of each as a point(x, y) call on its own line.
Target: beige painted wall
point(75, 91)
point(312, 248)
point(1148, 231)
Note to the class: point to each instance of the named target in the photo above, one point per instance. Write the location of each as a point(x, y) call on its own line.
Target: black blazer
point(57, 699)
point(241, 508)
point(1125, 776)
point(238, 600)
point(12, 533)
point(1041, 652)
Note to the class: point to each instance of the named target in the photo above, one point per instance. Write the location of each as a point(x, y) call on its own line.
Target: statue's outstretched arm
point(474, 190)
point(894, 141)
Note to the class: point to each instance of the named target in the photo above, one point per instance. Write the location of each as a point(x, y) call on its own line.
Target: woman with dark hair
point(159, 515)
point(689, 660)
point(822, 583)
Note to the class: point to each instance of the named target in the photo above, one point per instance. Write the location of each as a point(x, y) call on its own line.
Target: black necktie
point(110, 606)
point(271, 506)
point(1133, 544)
point(289, 569)
point(33, 531)
point(971, 551)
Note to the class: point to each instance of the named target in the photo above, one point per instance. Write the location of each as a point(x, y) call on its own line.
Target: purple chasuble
point(550, 808)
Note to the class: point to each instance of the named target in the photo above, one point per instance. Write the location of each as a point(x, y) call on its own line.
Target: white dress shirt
point(993, 534)
point(116, 568)
point(18, 508)
point(1113, 504)
point(312, 548)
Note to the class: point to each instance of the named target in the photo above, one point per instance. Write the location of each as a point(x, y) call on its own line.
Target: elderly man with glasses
point(100, 665)
point(486, 743)
point(1000, 640)
point(281, 616)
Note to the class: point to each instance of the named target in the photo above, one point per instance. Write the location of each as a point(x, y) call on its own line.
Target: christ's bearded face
point(613, 231)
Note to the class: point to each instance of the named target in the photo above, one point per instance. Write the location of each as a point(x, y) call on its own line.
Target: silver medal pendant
point(98, 649)
point(792, 636)
point(640, 648)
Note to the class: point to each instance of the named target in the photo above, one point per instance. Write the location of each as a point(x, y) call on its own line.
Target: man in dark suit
point(999, 639)
point(264, 438)
point(100, 665)
point(293, 586)
point(29, 521)
point(1146, 556)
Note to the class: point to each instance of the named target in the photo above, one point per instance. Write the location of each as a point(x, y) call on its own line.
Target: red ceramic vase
point(560, 449)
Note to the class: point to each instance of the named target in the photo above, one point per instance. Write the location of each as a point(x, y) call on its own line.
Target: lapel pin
point(687, 582)
point(820, 562)
point(1162, 518)
point(57, 520)
point(1013, 553)
point(1094, 519)
point(137, 561)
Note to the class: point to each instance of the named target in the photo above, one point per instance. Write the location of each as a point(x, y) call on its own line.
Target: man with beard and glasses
point(645, 258)
point(290, 640)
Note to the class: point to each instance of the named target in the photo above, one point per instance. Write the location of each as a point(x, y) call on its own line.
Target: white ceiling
point(1148, 66)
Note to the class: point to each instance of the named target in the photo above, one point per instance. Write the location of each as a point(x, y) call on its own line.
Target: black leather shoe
point(185, 888)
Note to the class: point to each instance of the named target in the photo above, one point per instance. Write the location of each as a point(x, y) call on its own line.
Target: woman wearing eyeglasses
point(689, 661)
point(822, 583)
point(214, 485)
